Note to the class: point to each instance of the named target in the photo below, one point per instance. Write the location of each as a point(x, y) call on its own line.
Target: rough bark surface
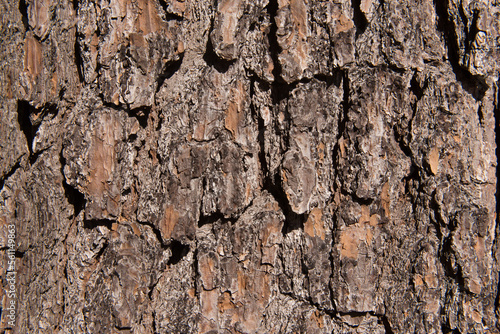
point(238, 166)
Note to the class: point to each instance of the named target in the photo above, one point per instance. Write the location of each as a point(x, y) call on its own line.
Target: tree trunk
point(238, 166)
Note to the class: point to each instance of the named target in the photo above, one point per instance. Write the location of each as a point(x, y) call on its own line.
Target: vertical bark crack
point(274, 47)
point(74, 197)
point(359, 18)
point(473, 84)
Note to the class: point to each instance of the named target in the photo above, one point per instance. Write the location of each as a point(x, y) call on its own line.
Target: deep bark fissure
point(211, 58)
point(436, 218)
point(293, 220)
point(30, 119)
point(156, 232)
point(213, 218)
point(451, 267)
point(170, 69)
point(141, 114)
point(386, 323)
point(34, 157)
point(94, 223)
point(273, 185)
point(23, 116)
point(359, 18)
point(73, 196)
point(447, 330)
point(473, 84)
point(23, 9)
point(155, 331)
point(331, 279)
point(360, 200)
point(470, 31)
point(9, 174)
point(342, 121)
point(78, 58)
point(415, 87)
point(196, 278)
point(20, 254)
point(179, 251)
point(169, 16)
point(101, 251)
point(400, 139)
point(274, 47)
point(403, 135)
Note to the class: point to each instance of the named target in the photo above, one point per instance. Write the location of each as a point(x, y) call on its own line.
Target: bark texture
point(239, 166)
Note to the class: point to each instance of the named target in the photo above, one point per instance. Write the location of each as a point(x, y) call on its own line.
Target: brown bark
point(234, 166)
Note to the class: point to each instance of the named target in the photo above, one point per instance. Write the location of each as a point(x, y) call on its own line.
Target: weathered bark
point(237, 166)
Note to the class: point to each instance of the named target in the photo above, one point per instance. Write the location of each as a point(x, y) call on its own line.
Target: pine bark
point(238, 166)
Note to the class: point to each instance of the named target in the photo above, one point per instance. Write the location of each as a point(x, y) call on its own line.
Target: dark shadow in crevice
point(402, 132)
point(391, 66)
point(154, 317)
point(93, 223)
point(334, 79)
point(446, 256)
point(156, 231)
point(179, 251)
point(210, 219)
point(293, 221)
point(473, 84)
point(101, 251)
point(172, 16)
point(273, 185)
point(387, 325)
point(214, 216)
point(401, 141)
point(436, 219)
point(274, 47)
point(124, 328)
point(141, 114)
point(117, 107)
point(210, 57)
point(169, 16)
point(23, 9)
point(196, 272)
point(78, 59)
point(9, 174)
point(355, 314)
point(132, 138)
point(359, 18)
point(415, 87)
point(169, 71)
point(357, 199)
point(262, 149)
point(74, 197)
point(447, 330)
point(342, 121)
point(24, 109)
point(412, 179)
point(34, 156)
point(29, 119)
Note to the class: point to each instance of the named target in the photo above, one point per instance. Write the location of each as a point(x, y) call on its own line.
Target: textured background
point(238, 166)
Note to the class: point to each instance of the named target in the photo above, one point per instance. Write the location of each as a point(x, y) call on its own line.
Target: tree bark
point(237, 166)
